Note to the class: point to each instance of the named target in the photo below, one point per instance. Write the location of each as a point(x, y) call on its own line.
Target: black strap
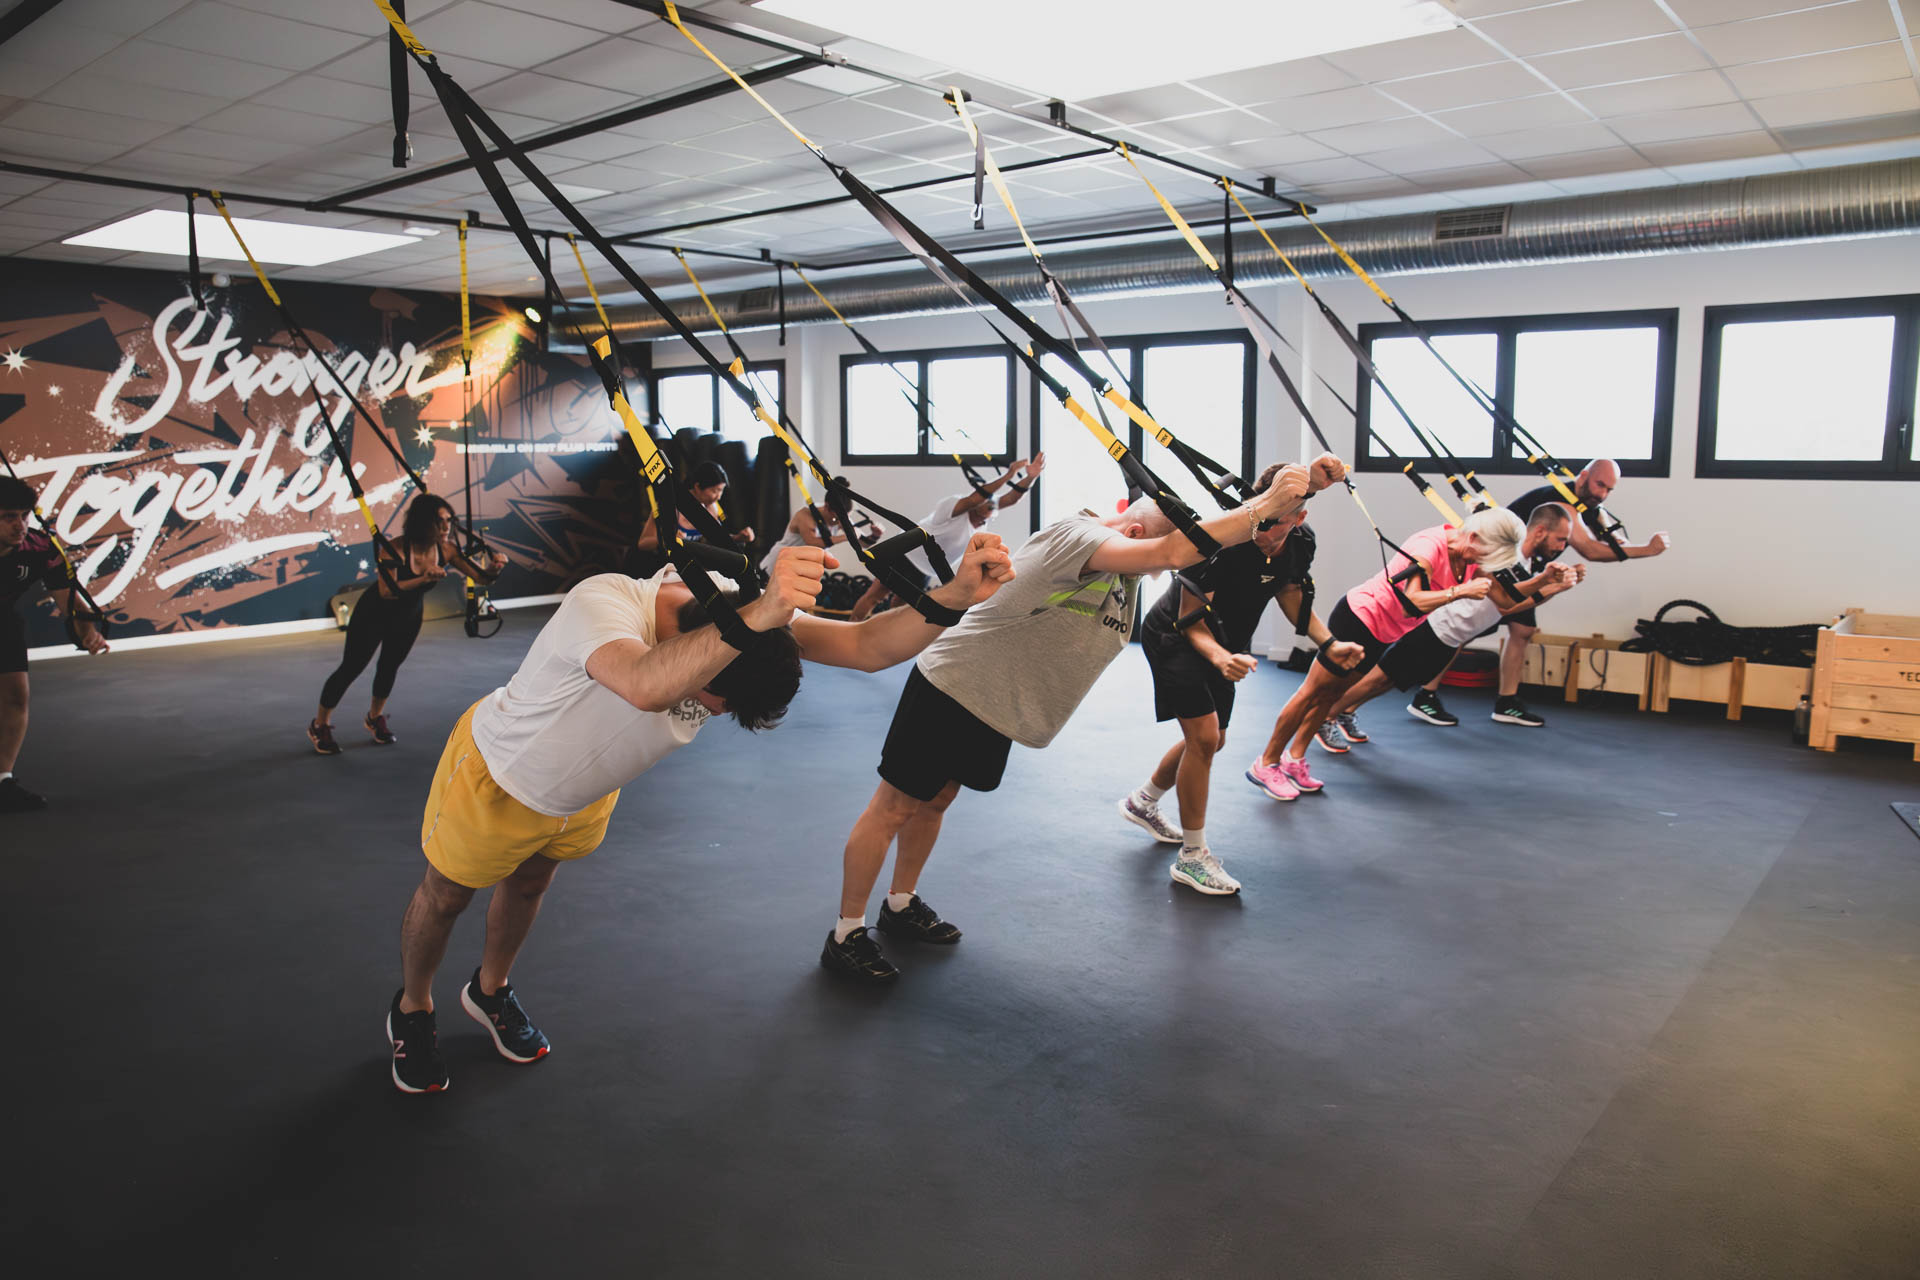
point(89, 609)
point(193, 256)
point(399, 89)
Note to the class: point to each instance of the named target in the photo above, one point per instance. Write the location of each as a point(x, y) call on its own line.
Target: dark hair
point(422, 513)
point(756, 686)
point(1550, 515)
point(1266, 477)
point(17, 495)
point(706, 475)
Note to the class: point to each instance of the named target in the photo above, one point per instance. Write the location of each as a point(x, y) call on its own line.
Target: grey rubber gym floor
point(1627, 996)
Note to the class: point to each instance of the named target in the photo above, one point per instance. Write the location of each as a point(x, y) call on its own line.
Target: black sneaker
point(1514, 711)
point(858, 957)
point(1426, 706)
point(514, 1035)
point(417, 1064)
point(377, 726)
point(919, 922)
point(321, 736)
point(15, 798)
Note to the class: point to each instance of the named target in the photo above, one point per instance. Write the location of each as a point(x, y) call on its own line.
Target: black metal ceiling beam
point(824, 201)
point(22, 16)
point(1054, 119)
point(1198, 224)
point(585, 128)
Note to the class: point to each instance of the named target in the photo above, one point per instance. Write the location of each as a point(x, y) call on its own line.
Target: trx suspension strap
point(383, 549)
point(1203, 468)
point(480, 610)
point(908, 388)
point(88, 610)
point(951, 272)
point(884, 560)
point(1556, 472)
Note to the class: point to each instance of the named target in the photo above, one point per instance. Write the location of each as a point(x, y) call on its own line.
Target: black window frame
point(930, 450)
point(1506, 331)
point(1135, 436)
point(1895, 461)
point(654, 376)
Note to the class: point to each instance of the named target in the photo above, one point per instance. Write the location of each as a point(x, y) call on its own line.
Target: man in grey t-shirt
point(1013, 670)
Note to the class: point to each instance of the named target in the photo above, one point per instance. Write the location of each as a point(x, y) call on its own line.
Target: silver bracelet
point(1253, 519)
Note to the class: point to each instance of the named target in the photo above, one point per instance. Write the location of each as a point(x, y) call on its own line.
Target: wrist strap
point(1019, 488)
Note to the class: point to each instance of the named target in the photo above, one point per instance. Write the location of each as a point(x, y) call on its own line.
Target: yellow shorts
point(475, 834)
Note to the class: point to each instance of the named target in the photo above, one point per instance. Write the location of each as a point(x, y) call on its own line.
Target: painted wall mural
point(179, 450)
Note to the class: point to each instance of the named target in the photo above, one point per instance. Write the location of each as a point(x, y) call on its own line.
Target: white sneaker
point(1150, 817)
point(1199, 869)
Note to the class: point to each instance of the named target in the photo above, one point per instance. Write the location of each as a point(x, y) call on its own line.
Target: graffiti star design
point(15, 361)
point(424, 435)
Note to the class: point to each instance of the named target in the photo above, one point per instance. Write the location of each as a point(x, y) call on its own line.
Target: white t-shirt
point(1456, 623)
point(557, 740)
point(949, 532)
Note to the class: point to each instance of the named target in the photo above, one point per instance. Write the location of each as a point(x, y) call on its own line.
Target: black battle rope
point(1706, 641)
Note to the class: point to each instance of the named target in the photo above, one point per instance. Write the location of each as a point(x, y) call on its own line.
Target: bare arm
point(649, 539)
point(90, 638)
point(459, 559)
point(1593, 548)
point(1291, 598)
point(1427, 601)
point(899, 634)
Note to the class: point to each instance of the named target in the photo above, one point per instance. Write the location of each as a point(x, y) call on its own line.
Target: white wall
point(1759, 552)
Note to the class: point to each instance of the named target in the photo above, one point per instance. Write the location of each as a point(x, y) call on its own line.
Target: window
point(1808, 390)
point(1200, 386)
point(1598, 384)
point(920, 408)
point(695, 400)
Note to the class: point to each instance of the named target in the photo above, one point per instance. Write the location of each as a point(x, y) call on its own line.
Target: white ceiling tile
point(1429, 155)
point(1720, 170)
point(689, 161)
point(230, 147)
point(320, 96)
point(1820, 106)
point(1866, 65)
point(169, 68)
point(1626, 180)
point(1496, 82)
point(1578, 25)
point(1358, 138)
point(1702, 13)
point(855, 120)
point(492, 33)
point(123, 17)
point(75, 122)
point(1279, 80)
point(1283, 151)
point(1469, 177)
point(53, 149)
point(1667, 93)
point(341, 15)
point(1836, 26)
point(597, 147)
point(1316, 172)
point(923, 106)
point(1418, 56)
point(1848, 133)
point(254, 121)
point(1630, 60)
point(633, 67)
point(606, 16)
point(45, 52)
point(95, 91)
point(1726, 146)
point(1523, 144)
point(1507, 117)
point(247, 36)
point(545, 98)
point(1606, 160)
point(1362, 189)
point(1143, 105)
point(368, 65)
point(732, 50)
point(1694, 122)
point(1332, 109)
point(1215, 129)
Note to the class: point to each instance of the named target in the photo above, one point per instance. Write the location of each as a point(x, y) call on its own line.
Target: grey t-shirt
point(1022, 661)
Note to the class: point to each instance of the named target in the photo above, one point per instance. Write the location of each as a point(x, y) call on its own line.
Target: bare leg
point(13, 718)
point(378, 707)
point(869, 601)
point(436, 904)
point(866, 852)
point(1369, 687)
point(516, 901)
point(1203, 737)
point(1513, 657)
point(324, 715)
point(1303, 713)
point(1167, 772)
point(1433, 685)
point(916, 840)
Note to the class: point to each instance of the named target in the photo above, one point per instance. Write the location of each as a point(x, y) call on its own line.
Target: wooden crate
point(1866, 680)
point(1561, 662)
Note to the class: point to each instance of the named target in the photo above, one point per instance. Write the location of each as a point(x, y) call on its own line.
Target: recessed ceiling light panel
point(290, 244)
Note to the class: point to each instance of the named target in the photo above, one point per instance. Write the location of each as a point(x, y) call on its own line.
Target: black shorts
point(934, 740)
point(13, 641)
point(1185, 685)
point(1523, 618)
point(1344, 624)
point(1416, 657)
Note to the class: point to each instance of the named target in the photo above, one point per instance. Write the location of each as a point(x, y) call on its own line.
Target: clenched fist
point(793, 586)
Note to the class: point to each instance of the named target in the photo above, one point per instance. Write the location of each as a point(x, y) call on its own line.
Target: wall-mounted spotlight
point(533, 314)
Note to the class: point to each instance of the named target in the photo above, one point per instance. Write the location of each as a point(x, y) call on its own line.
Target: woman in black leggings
point(389, 620)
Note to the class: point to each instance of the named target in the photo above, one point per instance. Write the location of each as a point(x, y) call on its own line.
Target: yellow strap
point(1193, 241)
point(993, 169)
point(823, 297)
point(1431, 495)
point(1347, 258)
point(673, 16)
point(406, 33)
point(1108, 441)
point(466, 314)
point(652, 464)
point(1264, 236)
point(593, 292)
point(1139, 415)
point(701, 290)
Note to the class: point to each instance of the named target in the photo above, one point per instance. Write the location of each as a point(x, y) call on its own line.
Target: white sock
point(1193, 839)
point(846, 925)
point(6, 775)
point(900, 901)
point(1150, 793)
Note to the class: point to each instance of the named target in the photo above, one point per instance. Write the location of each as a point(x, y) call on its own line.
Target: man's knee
point(938, 805)
point(13, 691)
point(531, 878)
point(441, 895)
point(1520, 634)
point(1203, 738)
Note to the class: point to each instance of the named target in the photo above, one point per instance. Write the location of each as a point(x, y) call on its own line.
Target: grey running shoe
point(1350, 728)
point(1199, 869)
point(1330, 738)
point(1150, 817)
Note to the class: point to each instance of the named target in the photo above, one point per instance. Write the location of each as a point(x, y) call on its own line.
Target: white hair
point(1500, 533)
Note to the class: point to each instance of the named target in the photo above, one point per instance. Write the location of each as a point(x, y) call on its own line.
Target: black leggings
point(377, 623)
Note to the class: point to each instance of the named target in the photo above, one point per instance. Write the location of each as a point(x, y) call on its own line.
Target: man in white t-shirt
point(954, 520)
point(625, 672)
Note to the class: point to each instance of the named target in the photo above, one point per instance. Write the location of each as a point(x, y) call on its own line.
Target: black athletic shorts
point(1525, 618)
point(1416, 657)
point(1344, 624)
point(1185, 685)
point(934, 740)
point(13, 641)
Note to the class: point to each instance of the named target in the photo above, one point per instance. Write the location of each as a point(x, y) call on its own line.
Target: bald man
point(1592, 486)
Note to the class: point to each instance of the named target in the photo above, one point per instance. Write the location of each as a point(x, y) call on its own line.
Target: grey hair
point(1149, 514)
point(1500, 533)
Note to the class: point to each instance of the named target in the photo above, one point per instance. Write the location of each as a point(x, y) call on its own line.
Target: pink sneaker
point(1272, 780)
point(1296, 771)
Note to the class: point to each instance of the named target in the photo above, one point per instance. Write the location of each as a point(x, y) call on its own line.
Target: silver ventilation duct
point(1821, 204)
